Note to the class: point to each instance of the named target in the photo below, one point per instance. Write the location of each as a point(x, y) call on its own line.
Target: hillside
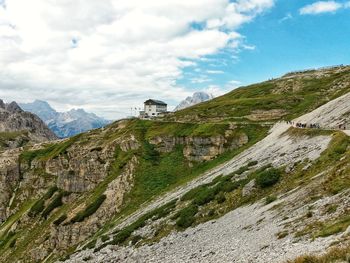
point(17, 127)
point(241, 184)
point(283, 98)
point(65, 124)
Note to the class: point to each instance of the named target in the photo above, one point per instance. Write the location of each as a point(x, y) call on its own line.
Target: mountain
point(18, 127)
point(196, 98)
point(230, 179)
point(65, 124)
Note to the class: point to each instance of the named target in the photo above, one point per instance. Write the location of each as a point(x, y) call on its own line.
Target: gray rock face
point(197, 97)
point(199, 149)
point(13, 107)
point(2, 104)
point(14, 119)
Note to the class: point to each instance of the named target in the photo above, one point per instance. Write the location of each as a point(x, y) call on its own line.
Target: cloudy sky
point(109, 55)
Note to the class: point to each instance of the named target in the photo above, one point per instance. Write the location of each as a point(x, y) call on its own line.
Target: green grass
point(39, 205)
point(55, 202)
point(339, 253)
point(125, 233)
point(89, 210)
point(186, 217)
point(340, 225)
point(268, 177)
point(310, 94)
point(49, 152)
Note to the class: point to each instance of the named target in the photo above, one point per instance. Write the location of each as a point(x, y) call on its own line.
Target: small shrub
point(89, 210)
point(211, 212)
point(268, 178)
point(104, 238)
point(91, 244)
point(252, 163)
point(87, 258)
point(37, 208)
point(58, 221)
point(56, 202)
point(242, 170)
point(13, 243)
point(136, 239)
point(269, 199)
point(50, 192)
point(193, 192)
point(282, 234)
point(186, 216)
point(229, 186)
point(205, 196)
point(121, 236)
point(309, 214)
point(220, 198)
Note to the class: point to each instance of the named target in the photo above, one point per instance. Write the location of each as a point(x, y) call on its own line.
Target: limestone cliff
point(18, 127)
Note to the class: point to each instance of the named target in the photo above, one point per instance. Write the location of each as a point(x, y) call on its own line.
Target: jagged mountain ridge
point(196, 98)
point(18, 127)
point(65, 124)
point(112, 180)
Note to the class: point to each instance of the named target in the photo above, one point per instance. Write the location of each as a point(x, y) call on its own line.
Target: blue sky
point(284, 40)
point(112, 55)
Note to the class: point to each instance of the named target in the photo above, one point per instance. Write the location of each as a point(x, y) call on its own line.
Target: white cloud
point(321, 7)
point(109, 55)
point(288, 16)
point(215, 72)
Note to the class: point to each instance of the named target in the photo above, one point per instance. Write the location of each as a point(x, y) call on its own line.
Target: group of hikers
point(312, 125)
point(304, 125)
point(342, 127)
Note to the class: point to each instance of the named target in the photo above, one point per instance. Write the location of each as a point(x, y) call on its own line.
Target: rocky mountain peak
point(197, 97)
point(2, 104)
point(13, 107)
point(14, 119)
point(65, 124)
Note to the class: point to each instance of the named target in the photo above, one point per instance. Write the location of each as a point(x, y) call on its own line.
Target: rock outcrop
point(14, 119)
point(199, 149)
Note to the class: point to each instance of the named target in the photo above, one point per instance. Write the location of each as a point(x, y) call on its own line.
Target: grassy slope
point(158, 173)
point(296, 97)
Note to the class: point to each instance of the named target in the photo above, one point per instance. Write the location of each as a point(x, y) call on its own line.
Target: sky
point(109, 56)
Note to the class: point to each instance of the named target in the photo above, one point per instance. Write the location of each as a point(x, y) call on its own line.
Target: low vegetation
point(268, 177)
point(89, 210)
point(334, 254)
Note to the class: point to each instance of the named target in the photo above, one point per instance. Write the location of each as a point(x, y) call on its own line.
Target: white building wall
point(151, 110)
point(154, 110)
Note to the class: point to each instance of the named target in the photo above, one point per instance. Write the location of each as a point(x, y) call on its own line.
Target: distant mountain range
point(65, 124)
point(196, 98)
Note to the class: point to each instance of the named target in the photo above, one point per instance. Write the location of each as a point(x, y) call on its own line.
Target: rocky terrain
point(198, 186)
point(258, 232)
point(18, 127)
point(196, 98)
point(65, 124)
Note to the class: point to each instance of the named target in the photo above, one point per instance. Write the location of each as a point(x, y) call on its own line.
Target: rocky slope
point(196, 98)
point(274, 232)
point(18, 127)
point(65, 124)
point(152, 190)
